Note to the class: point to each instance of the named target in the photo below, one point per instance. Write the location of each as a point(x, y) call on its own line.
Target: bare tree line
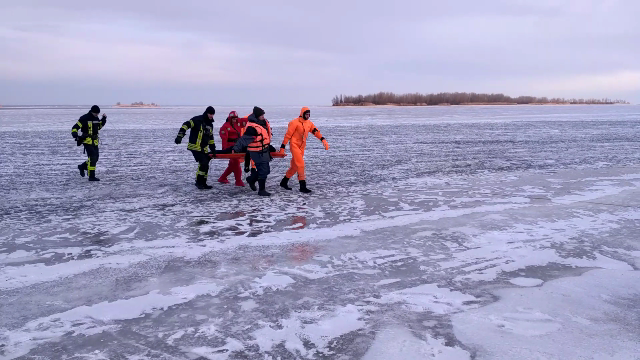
point(457, 98)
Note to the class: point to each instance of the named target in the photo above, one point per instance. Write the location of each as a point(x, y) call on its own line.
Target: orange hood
point(303, 110)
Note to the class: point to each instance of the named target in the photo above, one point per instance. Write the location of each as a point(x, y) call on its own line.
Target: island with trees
point(459, 98)
point(138, 104)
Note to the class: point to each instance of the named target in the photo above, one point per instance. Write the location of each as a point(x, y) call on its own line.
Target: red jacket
point(231, 131)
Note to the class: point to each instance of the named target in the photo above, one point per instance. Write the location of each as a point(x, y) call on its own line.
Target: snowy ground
point(433, 233)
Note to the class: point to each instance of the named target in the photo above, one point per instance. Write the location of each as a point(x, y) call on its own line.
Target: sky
point(278, 52)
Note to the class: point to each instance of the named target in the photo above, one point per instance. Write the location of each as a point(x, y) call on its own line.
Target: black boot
point(303, 187)
point(205, 185)
point(92, 176)
point(82, 167)
point(284, 183)
point(263, 192)
point(201, 183)
point(204, 182)
point(251, 179)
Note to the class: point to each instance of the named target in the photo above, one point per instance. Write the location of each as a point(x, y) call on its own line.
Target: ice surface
point(400, 343)
point(453, 244)
point(593, 316)
point(89, 320)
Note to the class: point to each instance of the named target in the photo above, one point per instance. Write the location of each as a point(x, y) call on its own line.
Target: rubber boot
point(204, 183)
point(82, 167)
point(303, 187)
point(92, 176)
point(251, 179)
point(237, 173)
point(225, 174)
point(284, 183)
point(201, 183)
point(263, 192)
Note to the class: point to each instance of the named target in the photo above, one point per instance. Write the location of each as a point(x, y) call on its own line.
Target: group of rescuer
point(250, 135)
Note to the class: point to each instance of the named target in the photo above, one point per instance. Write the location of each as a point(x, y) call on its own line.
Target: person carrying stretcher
point(257, 141)
point(230, 132)
point(297, 133)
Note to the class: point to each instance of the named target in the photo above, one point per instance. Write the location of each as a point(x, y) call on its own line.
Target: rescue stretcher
point(240, 156)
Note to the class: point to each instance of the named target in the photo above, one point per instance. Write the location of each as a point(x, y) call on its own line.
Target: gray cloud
point(199, 52)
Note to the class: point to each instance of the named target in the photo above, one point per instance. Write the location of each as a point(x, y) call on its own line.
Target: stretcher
point(240, 156)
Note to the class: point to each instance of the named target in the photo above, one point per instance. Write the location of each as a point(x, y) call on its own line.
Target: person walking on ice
point(230, 132)
point(201, 143)
point(257, 141)
point(297, 132)
point(89, 125)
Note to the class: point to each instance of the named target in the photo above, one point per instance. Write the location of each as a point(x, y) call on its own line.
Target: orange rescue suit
point(297, 133)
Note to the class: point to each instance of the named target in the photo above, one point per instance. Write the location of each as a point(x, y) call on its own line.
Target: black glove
point(272, 149)
point(178, 139)
point(75, 135)
point(104, 117)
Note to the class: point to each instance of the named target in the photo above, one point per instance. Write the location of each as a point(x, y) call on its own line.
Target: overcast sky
point(304, 52)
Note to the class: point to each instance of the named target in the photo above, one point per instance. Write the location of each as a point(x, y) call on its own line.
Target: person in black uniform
point(89, 124)
point(201, 143)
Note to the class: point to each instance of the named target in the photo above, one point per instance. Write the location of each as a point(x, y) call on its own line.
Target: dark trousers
point(93, 154)
point(261, 161)
point(203, 166)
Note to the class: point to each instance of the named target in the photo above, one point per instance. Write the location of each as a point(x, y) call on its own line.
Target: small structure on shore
point(138, 104)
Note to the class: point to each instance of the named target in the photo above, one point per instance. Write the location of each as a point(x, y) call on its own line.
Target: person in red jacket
point(230, 132)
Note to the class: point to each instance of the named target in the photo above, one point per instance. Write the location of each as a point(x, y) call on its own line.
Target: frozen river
point(432, 233)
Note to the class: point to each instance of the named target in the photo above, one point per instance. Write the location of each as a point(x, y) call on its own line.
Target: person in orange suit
point(297, 133)
point(230, 132)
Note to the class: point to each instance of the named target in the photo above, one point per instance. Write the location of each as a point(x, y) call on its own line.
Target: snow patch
point(428, 297)
point(272, 281)
point(555, 320)
point(26, 275)
point(386, 282)
point(321, 331)
point(400, 343)
point(524, 245)
point(17, 257)
point(526, 282)
point(592, 193)
point(220, 353)
point(97, 318)
point(248, 305)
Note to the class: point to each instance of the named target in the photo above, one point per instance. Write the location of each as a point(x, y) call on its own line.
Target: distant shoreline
point(469, 104)
point(460, 98)
point(136, 106)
